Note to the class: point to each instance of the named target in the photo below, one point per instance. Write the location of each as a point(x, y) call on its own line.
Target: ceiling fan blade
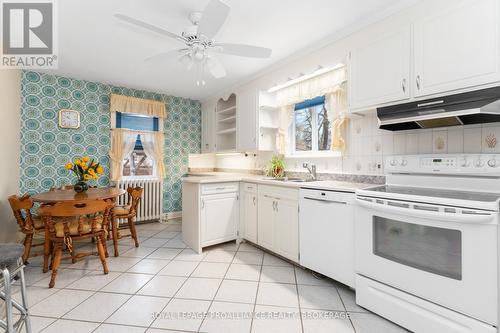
point(243, 50)
point(215, 68)
point(149, 26)
point(166, 55)
point(213, 18)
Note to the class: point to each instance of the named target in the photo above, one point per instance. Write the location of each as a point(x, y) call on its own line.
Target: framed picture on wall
point(69, 118)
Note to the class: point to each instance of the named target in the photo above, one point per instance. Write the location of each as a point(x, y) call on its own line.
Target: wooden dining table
point(69, 195)
point(98, 193)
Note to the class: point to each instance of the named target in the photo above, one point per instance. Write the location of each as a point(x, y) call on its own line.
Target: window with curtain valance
point(140, 106)
point(136, 139)
point(316, 105)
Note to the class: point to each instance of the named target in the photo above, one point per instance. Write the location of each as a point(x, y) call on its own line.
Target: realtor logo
point(28, 34)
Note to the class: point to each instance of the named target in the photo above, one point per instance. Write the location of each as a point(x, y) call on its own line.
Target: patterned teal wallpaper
point(45, 147)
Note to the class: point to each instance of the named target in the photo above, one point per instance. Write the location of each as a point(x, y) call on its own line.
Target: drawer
point(279, 192)
point(219, 188)
point(249, 187)
point(414, 313)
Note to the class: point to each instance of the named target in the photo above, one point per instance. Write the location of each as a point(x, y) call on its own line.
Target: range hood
point(475, 107)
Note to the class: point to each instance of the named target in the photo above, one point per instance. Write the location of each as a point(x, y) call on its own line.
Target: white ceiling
point(93, 45)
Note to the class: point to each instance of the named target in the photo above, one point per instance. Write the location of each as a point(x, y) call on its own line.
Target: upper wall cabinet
point(257, 121)
point(247, 121)
point(207, 128)
point(380, 70)
point(457, 48)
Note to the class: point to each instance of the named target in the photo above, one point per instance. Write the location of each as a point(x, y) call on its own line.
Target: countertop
point(221, 177)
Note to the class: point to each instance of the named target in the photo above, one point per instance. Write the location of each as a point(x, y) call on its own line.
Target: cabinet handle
point(276, 205)
point(202, 203)
point(403, 85)
point(254, 200)
point(418, 82)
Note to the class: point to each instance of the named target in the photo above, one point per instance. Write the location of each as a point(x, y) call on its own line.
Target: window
point(311, 127)
point(138, 163)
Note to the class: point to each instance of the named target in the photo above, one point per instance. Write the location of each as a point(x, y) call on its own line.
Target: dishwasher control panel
point(327, 196)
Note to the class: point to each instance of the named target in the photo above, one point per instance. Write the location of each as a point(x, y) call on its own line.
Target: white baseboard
point(172, 215)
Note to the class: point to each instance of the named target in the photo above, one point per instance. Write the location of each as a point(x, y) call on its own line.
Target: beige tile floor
point(163, 286)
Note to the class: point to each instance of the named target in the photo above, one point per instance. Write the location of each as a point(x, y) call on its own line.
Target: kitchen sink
point(293, 180)
point(300, 180)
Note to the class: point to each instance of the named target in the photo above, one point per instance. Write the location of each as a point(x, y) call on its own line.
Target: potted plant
point(276, 167)
point(85, 169)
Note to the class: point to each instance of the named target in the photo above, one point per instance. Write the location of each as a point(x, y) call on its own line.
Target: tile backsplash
point(367, 145)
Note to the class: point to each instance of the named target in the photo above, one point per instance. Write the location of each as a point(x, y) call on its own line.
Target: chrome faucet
point(312, 169)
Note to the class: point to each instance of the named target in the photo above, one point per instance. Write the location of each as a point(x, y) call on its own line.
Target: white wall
point(366, 144)
point(10, 106)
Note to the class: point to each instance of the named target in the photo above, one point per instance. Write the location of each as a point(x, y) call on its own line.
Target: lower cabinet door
point(249, 216)
point(287, 229)
point(265, 222)
point(219, 218)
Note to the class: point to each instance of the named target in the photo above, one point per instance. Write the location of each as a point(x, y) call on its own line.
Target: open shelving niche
point(268, 121)
point(225, 122)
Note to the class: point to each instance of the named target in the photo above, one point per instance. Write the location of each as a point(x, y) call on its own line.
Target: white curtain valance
point(320, 85)
point(128, 104)
point(123, 143)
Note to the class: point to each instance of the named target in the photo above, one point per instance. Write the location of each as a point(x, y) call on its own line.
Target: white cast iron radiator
point(151, 204)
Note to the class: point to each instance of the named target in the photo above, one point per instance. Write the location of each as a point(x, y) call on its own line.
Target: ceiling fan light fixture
point(199, 43)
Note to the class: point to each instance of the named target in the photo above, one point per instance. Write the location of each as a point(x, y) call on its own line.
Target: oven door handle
point(483, 218)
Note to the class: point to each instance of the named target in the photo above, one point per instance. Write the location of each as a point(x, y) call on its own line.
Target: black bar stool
point(12, 266)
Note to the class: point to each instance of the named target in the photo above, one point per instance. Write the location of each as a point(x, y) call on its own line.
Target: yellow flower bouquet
point(85, 169)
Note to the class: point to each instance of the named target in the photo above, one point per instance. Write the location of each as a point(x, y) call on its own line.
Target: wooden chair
point(128, 212)
point(30, 225)
point(69, 221)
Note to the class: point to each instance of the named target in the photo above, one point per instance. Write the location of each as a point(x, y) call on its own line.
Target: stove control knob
point(465, 162)
point(479, 163)
point(404, 162)
point(393, 162)
point(493, 163)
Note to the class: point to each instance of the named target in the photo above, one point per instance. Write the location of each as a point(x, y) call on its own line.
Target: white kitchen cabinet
point(380, 70)
point(207, 128)
point(287, 229)
point(210, 213)
point(265, 222)
point(247, 121)
point(457, 48)
point(278, 220)
point(248, 212)
point(219, 218)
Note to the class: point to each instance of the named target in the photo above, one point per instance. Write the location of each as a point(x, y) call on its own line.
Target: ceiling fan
point(199, 41)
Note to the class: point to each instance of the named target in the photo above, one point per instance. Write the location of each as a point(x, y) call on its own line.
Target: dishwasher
point(326, 233)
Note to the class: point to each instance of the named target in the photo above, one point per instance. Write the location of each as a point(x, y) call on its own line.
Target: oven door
point(443, 254)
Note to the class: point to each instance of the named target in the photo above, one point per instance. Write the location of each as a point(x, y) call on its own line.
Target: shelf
point(228, 119)
point(229, 109)
point(268, 108)
point(270, 128)
point(227, 131)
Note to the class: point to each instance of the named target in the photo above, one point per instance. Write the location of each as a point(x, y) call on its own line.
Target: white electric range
point(426, 243)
